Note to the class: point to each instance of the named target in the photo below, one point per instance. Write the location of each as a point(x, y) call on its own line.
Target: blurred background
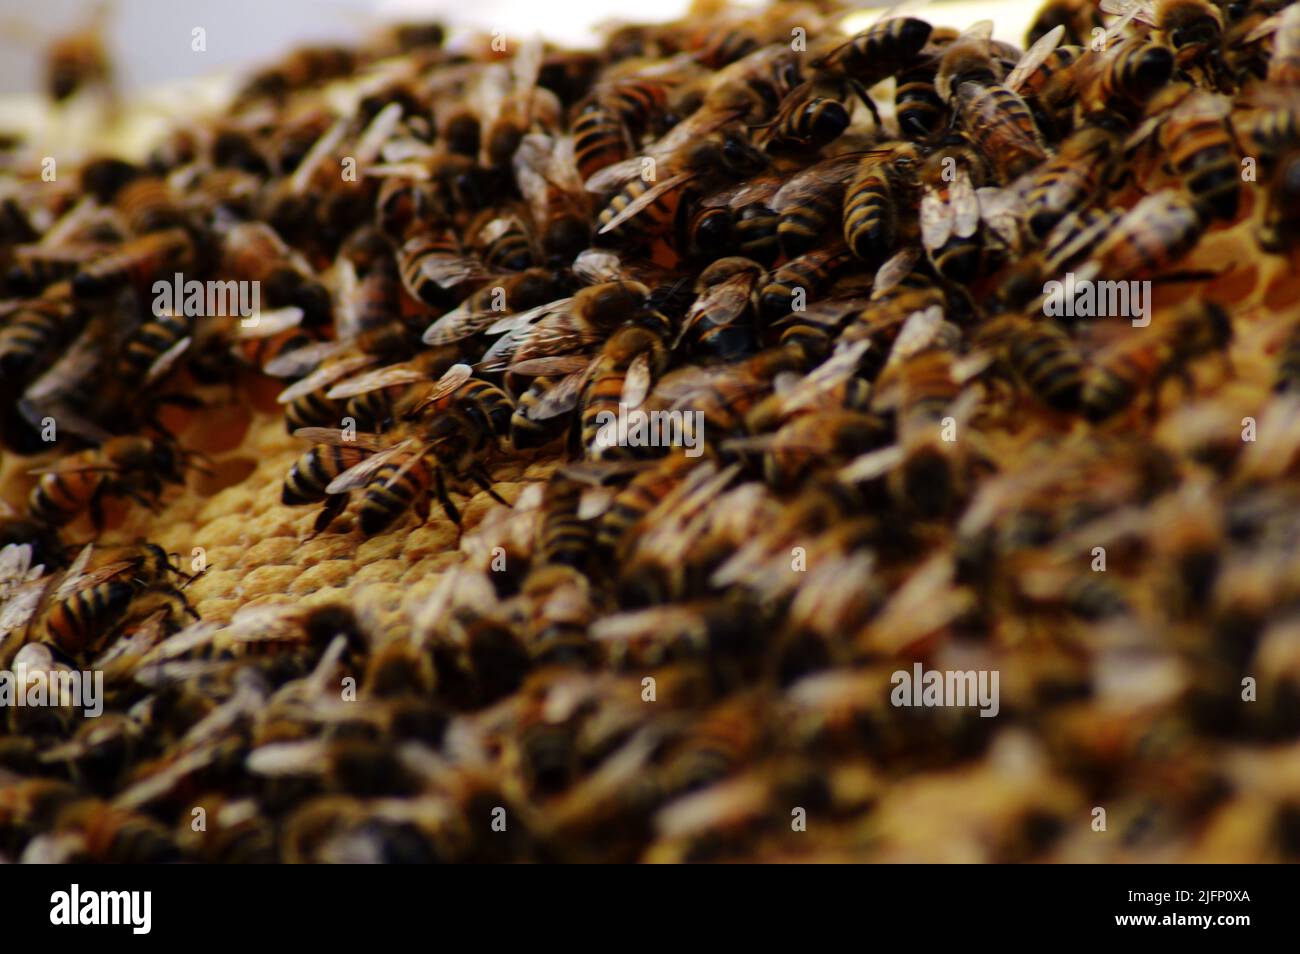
point(150, 40)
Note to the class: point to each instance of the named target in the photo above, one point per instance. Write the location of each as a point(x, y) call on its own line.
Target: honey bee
point(1154, 234)
point(1195, 137)
point(1115, 86)
point(806, 276)
point(996, 118)
point(137, 262)
point(1072, 179)
point(1192, 27)
point(1145, 362)
point(806, 121)
point(810, 201)
point(32, 332)
point(883, 49)
point(621, 375)
point(506, 296)
point(252, 251)
point(89, 603)
point(130, 466)
point(949, 227)
point(716, 322)
point(1044, 357)
point(452, 425)
point(643, 210)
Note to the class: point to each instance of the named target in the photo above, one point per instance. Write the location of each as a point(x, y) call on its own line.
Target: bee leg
point(440, 490)
point(334, 505)
point(477, 475)
point(861, 92)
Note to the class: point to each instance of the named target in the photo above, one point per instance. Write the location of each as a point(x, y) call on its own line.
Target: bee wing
point(319, 152)
point(20, 605)
point(326, 374)
point(335, 437)
point(898, 267)
point(965, 205)
point(270, 323)
point(451, 379)
point(194, 636)
point(401, 170)
point(16, 565)
point(560, 333)
point(936, 221)
point(985, 111)
point(830, 173)
point(836, 369)
point(560, 399)
point(78, 362)
point(638, 381)
point(391, 376)
point(379, 131)
point(594, 501)
point(917, 333)
point(872, 464)
point(998, 210)
point(463, 321)
point(722, 303)
point(165, 361)
point(979, 30)
point(525, 319)
point(72, 576)
point(744, 193)
point(1034, 57)
point(303, 360)
point(1142, 10)
point(360, 474)
point(1267, 26)
point(645, 199)
point(553, 364)
point(448, 271)
point(614, 176)
point(595, 266)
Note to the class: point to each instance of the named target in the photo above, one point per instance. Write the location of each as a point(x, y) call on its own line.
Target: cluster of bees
point(832, 248)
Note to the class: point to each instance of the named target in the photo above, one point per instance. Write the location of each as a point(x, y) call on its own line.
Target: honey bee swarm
point(882, 446)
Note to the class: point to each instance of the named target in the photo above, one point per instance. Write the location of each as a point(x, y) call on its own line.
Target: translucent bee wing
point(936, 221)
point(392, 376)
point(644, 200)
point(898, 267)
point(552, 364)
point(321, 150)
point(872, 465)
point(965, 205)
point(360, 474)
point(1142, 10)
point(1034, 57)
point(638, 381)
point(270, 323)
point(326, 374)
point(560, 399)
point(339, 438)
point(303, 360)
